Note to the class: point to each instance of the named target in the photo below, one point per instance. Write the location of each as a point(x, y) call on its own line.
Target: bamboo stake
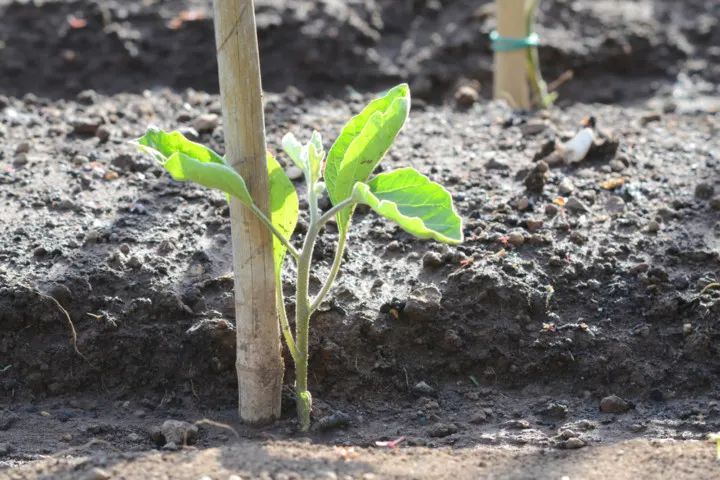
point(259, 362)
point(511, 77)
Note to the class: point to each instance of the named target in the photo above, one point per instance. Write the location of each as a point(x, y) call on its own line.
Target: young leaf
point(294, 150)
point(283, 208)
point(184, 168)
point(315, 155)
point(362, 144)
point(421, 207)
point(162, 144)
point(188, 161)
point(308, 157)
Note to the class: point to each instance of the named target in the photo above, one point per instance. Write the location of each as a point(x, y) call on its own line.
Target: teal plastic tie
point(508, 44)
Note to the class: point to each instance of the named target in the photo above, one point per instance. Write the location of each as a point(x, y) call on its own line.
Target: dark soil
point(590, 280)
point(620, 51)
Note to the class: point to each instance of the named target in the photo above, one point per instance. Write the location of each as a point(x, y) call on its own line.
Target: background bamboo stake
point(511, 77)
point(259, 362)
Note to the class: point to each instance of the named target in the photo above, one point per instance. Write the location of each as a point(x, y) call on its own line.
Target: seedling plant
point(418, 205)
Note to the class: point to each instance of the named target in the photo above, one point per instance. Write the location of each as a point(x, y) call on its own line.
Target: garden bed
point(595, 280)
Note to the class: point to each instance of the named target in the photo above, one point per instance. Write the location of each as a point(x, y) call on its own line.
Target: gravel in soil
point(581, 312)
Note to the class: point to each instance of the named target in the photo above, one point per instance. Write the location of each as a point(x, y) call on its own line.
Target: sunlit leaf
point(419, 206)
point(283, 209)
point(362, 144)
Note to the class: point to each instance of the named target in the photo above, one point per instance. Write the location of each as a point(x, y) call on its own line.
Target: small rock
point(131, 163)
point(566, 187)
point(432, 260)
point(704, 190)
point(535, 181)
point(206, 122)
point(520, 424)
point(294, 173)
point(615, 204)
point(134, 437)
point(533, 128)
point(134, 263)
point(176, 432)
point(495, 164)
point(479, 417)
point(573, 443)
point(422, 305)
point(551, 209)
point(96, 474)
point(103, 133)
point(442, 429)
point(86, 125)
point(516, 238)
point(534, 225)
point(20, 160)
point(336, 420)
point(652, 227)
point(466, 96)
point(423, 388)
point(6, 449)
point(23, 147)
point(554, 410)
point(617, 165)
point(614, 404)
point(576, 205)
point(522, 203)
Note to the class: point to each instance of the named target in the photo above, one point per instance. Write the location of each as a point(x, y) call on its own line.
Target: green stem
point(302, 328)
point(334, 269)
point(284, 324)
point(259, 214)
point(533, 59)
point(303, 309)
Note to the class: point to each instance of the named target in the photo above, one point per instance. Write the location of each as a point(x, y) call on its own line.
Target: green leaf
point(361, 145)
point(294, 150)
point(315, 155)
point(284, 209)
point(188, 161)
point(308, 157)
point(184, 168)
point(421, 207)
point(163, 144)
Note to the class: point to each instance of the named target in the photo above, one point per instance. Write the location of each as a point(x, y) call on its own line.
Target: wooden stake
point(259, 363)
point(511, 78)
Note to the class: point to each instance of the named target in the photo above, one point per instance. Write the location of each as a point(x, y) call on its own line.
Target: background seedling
point(419, 206)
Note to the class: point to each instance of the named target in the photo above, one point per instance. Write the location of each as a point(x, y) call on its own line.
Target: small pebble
point(294, 173)
point(96, 474)
point(574, 443)
point(614, 404)
point(206, 122)
point(432, 260)
point(466, 96)
point(516, 238)
point(704, 190)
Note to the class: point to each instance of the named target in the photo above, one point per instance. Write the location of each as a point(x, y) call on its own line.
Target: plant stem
point(539, 87)
point(348, 202)
point(284, 324)
point(334, 269)
point(258, 213)
point(303, 308)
